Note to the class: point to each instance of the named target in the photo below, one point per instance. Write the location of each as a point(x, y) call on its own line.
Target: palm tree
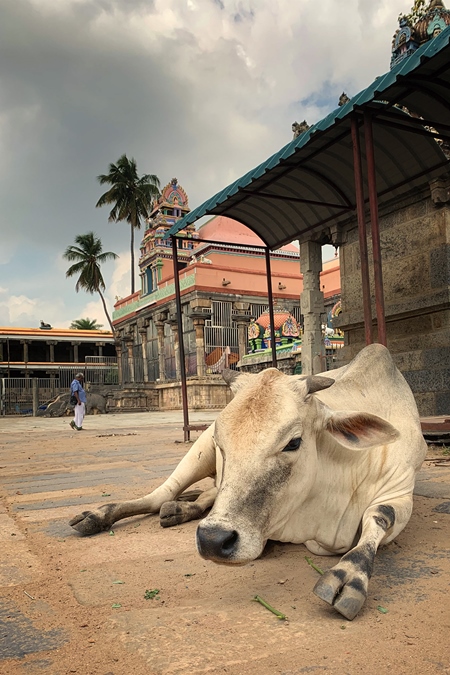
point(88, 254)
point(131, 195)
point(86, 324)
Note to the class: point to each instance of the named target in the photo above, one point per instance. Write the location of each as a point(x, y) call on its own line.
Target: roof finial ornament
point(299, 129)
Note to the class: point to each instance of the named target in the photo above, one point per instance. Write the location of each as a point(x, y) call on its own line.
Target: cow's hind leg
point(180, 511)
point(198, 463)
point(345, 585)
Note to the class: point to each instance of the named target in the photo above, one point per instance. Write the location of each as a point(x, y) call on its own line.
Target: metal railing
point(16, 393)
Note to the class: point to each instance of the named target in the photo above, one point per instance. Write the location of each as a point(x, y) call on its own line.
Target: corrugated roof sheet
point(317, 167)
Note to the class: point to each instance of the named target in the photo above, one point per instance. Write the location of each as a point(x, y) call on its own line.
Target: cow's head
point(267, 457)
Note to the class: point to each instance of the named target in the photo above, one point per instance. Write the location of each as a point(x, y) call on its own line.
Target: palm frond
point(75, 269)
point(108, 255)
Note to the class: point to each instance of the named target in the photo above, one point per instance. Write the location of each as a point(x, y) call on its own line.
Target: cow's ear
point(234, 379)
point(358, 430)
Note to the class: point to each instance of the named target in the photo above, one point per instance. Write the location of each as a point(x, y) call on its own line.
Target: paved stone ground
point(75, 605)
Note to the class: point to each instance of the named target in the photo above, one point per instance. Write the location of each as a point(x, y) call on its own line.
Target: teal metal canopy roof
point(309, 184)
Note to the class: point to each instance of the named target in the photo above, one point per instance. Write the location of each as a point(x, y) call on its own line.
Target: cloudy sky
point(203, 90)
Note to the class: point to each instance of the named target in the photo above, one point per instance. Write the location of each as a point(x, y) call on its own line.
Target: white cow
point(329, 463)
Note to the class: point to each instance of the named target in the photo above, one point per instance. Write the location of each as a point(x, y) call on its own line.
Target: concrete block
point(443, 402)
point(426, 404)
point(439, 357)
point(424, 380)
point(410, 237)
point(406, 361)
point(441, 319)
point(440, 266)
point(415, 325)
point(407, 277)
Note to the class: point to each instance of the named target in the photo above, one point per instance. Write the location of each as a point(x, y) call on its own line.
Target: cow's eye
point(293, 444)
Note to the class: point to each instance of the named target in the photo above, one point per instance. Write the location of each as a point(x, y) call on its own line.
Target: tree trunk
point(116, 346)
point(132, 259)
point(106, 312)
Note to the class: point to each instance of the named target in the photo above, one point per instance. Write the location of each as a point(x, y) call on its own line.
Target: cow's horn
point(317, 383)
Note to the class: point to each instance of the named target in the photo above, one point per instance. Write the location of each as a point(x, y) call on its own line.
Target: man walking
point(77, 392)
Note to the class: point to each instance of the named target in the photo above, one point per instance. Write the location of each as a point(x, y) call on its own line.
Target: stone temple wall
point(415, 245)
point(203, 394)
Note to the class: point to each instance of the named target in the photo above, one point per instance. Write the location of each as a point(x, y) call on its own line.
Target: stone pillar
point(199, 325)
point(176, 347)
point(25, 344)
point(242, 319)
point(35, 396)
point(129, 346)
point(200, 310)
point(160, 320)
point(100, 346)
point(143, 334)
point(75, 346)
point(312, 307)
point(52, 344)
point(118, 348)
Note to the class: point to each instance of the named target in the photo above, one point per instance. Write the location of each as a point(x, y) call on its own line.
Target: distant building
point(41, 352)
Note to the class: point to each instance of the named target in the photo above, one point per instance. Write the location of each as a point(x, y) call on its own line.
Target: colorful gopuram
point(418, 27)
point(171, 206)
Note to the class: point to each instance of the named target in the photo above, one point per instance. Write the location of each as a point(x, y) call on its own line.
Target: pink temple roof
point(226, 229)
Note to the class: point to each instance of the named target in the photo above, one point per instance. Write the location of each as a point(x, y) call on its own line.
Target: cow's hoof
point(89, 523)
point(347, 597)
point(175, 513)
point(349, 602)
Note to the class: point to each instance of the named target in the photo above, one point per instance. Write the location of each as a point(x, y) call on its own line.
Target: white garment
point(79, 411)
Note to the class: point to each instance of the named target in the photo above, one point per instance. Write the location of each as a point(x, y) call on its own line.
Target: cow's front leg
point(345, 585)
point(177, 512)
point(198, 463)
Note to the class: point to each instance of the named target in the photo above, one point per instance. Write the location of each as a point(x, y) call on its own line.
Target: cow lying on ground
point(325, 462)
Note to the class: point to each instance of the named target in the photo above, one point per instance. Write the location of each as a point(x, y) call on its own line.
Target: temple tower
point(170, 207)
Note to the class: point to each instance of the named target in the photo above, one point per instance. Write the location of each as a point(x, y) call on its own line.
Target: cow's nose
point(216, 543)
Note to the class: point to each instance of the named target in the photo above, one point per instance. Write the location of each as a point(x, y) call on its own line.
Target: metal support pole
point(362, 233)
point(375, 227)
point(35, 395)
point(176, 278)
point(271, 314)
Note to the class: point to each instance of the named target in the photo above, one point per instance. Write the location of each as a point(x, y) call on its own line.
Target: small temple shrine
point(286, 329)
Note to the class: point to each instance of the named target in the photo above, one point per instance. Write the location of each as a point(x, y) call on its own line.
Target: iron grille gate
point(16, 394)
point(221, 338)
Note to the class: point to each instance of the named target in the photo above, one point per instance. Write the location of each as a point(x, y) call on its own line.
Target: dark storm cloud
point(202, 90)
point(72, 104)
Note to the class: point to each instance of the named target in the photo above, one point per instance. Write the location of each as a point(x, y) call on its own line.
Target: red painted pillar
point(373, 202)
point(362, 233)
point(176, 279)
point(271, 314)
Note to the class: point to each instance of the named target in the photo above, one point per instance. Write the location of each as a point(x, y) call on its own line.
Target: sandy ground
point(78, 605)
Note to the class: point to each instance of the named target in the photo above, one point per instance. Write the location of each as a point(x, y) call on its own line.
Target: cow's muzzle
point(217, 543)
